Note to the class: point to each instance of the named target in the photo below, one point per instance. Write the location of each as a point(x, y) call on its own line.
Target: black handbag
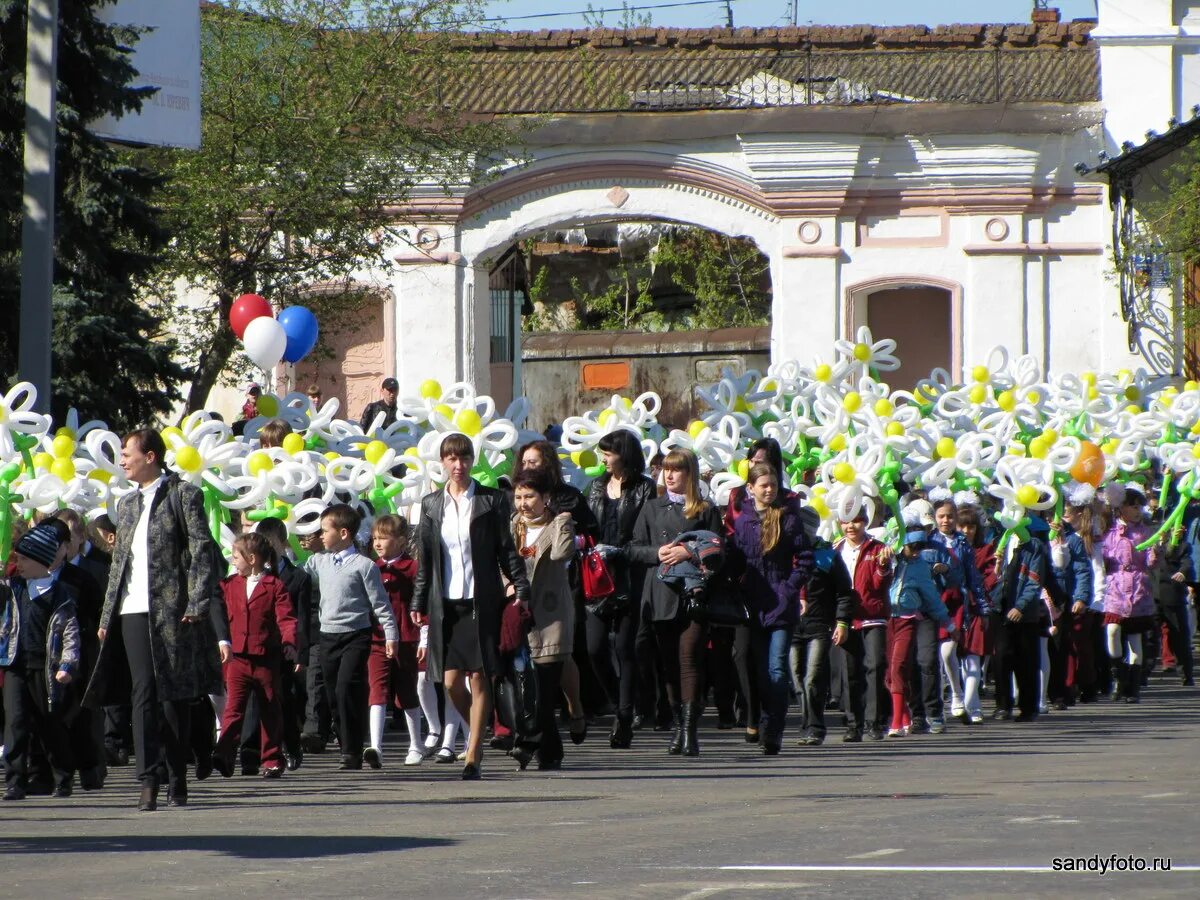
point(517, 696)
point(721, 603)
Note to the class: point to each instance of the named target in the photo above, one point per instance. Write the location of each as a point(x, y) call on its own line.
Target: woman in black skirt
point(463, 543)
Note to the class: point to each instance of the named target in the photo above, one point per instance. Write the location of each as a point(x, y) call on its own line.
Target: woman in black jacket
point(680, 640)
point(578, 678)
point(616, 499)
point(465, 521)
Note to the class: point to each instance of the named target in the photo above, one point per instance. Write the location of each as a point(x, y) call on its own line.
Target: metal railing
point(586, 80)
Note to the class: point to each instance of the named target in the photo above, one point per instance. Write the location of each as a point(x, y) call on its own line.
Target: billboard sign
point(166, 57)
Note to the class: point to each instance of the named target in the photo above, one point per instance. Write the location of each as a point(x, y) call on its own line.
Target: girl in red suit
point(260, 632)
point(394, 681)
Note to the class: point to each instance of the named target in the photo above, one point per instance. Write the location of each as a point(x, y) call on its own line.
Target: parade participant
point(546, 541)
point(1070, 558)
point(912, 597)
point(350, 589)
point(39, 659)
point(962, 589)
point(394, 681)
point(680, 640)
point(1128, 598)
point(259, 636)
point(1086, 620)
point(463, 544)
point(298, 585)
point(1018, 598)
point(616, 500)
point(764, 551)
point(156, 621)
point(385, 406)
point(827, 604)
point(318, 720)
point(978, 626)
point(863, 646)
point(1176, 569)
point(581, 686)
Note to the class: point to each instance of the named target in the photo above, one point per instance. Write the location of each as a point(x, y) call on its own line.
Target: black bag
point(517, 696)
point(721, 603)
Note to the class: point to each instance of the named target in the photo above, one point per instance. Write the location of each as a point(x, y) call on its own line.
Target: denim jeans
point(771, 655)
point(810, 674)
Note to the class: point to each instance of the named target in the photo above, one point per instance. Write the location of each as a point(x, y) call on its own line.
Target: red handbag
point(597, 580)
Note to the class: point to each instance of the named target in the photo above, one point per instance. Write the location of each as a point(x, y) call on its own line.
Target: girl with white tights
point(1128, 599)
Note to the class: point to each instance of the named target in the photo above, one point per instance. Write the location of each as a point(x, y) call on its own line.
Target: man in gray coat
point(158, 642)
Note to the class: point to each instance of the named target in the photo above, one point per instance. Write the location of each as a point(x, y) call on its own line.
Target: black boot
point(622, 732)
point(676, 744)
point(1120, 674)
point(1133, 684)
point(691, 719)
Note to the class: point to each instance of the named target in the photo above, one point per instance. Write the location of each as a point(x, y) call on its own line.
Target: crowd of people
point(138, 642)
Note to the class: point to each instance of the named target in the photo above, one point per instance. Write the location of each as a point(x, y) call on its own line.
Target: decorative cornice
point(1020, 249)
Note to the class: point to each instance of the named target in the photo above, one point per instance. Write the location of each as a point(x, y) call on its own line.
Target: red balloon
point(245, 310)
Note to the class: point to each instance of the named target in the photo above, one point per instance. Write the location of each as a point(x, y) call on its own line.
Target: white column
point(429, 324)
point(806, 306)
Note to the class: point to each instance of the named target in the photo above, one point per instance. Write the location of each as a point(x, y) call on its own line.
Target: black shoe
point(811, 740)
point(312, 743)
point(176, 799)
point(350, 764)
point(919, 726)
point(726, 723)
point(293, 761)
point(373, 758)
point(92, 779)
point(875, 734)
point(222, 765)
point(1002, 715)
point(549, 765)
point(770, 748)
point(63, 789)
point(148, 801)
point(622, 734)
point(1087, 696)
point(522, 756)
point(273, 772)
point(204, 767)
point(1026, 717)
point(691, 722)
point(751, 735)
point(471, 772)
point(638, 723)
point(249, 770)
point(578, 736)
point(1187, 681)
point(1133, 698)
point(1059, 705)
point(15, 792)
point(852, 736)
point(675, 747)
point(502, 742)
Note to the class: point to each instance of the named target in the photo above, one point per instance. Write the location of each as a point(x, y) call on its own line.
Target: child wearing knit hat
point(39, 654)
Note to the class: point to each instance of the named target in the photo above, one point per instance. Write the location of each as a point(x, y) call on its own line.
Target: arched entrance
point(922, 315)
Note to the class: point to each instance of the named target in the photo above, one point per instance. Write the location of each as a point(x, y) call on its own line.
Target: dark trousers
point(344, 667)
point(1081, 654)
point(925, 699)
point(1059, 649)
point(747, 674)
point(865, 699)
point(548, 742)
point(719, 673)
point(810, 674)
point(1175, 618)
point(1019, 653)
point(681, 644)
point(118, 728)
point(611, 650)
point(27, 715)
point(161, 729)
point(653, 702)
point(258, 676)
point(317, 718)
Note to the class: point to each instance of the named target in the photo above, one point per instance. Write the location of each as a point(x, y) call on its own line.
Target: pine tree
point(111, 359)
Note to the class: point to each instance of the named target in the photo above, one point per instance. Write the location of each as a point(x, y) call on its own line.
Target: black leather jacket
point(633, 498)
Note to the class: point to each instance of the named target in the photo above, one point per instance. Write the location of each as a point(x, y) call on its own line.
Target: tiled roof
point(679, 69)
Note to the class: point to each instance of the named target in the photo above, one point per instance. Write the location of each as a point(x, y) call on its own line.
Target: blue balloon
point(300, 326)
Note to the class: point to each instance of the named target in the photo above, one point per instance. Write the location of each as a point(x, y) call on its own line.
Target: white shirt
point(136, 598)
point(850, 555)
point(458, 574)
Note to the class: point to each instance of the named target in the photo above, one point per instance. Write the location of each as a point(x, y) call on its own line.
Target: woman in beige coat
point(547, 544)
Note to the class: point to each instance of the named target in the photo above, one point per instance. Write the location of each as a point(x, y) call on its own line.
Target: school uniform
point(261, 623)
point(393, 682)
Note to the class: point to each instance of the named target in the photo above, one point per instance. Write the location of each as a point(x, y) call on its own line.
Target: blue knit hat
point(40, 544)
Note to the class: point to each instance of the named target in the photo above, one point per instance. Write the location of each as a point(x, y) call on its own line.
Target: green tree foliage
point(727, 276)
point(110, 357)
point(321, 119)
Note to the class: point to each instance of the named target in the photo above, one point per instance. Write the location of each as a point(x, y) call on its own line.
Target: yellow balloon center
point(742, 468)
point(894, 429)
point(171, 432)
point(63, 468)
point(696, 428)
point(770, 385)
point(259, 462)
point(468, 422)
point(43, 461)
point(1050, 435)
point(981, 374)
point(188, 459)
point(374, 451)
point(1191, 385)
point(1110, 446)
point(606, 416)
point(838, 443)
point(1033, 397)
point(1039, 447)
point(1132, 394)
point(884, 407)
point(627, 403)
point(843, 472)
point(293, 444)
point(101, 475)
point(977, 394)
point(817, 505)
point(822, 373)
point(585, 459)
point(1089, 378)
point(946, 448)
point(430, 389)
point(64, 430)
point(443, 410)
point(1092, 393)
point(1007, 401)
point(1027, 495)
point(1196, 451)
point(862, 353)
point(851, 402)
point(740, 405)
point(63, 446)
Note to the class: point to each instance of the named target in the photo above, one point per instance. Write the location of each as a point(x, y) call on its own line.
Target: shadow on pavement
point(240, 846)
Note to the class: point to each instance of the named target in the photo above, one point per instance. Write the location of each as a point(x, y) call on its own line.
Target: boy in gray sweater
point(351, 589)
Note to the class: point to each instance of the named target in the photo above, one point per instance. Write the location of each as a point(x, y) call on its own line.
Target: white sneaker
point(957, 711)
point(976, 719)
point(415, 757)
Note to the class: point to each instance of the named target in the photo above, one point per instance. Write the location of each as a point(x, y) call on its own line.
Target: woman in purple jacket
point(1128, 598)
point(767, 539)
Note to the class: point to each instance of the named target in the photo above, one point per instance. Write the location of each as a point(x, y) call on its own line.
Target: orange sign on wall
point(606, 376)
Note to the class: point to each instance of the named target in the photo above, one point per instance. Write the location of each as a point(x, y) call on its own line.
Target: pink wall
point(361, 354)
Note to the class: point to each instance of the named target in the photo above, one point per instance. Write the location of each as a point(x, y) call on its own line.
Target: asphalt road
point(978, 811)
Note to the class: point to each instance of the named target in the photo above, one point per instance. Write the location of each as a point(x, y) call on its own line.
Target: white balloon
point(264, 342)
